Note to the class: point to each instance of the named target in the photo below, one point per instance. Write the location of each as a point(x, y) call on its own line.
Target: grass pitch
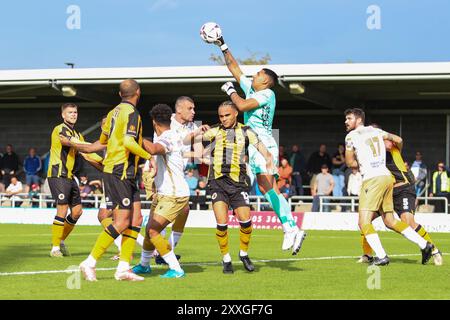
point(324, 269)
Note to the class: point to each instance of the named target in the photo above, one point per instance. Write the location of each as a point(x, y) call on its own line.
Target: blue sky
point(119, 33)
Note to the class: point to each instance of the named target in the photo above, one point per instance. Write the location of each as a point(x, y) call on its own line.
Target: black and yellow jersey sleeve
point(124, 120)
point(396, 165)
point(62, 158)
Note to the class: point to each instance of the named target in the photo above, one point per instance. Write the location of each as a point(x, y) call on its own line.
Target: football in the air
point(210, 32)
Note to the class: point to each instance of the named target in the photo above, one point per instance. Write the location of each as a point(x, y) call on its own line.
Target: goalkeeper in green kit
point(259, 109)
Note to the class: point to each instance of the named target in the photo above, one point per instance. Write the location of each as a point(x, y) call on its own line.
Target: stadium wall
point(261, 220)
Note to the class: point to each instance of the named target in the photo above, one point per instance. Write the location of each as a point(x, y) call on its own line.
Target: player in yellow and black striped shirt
point(227, 181)
point(60, 175)
point(122, 134)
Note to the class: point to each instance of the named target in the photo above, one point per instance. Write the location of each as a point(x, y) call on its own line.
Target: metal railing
point(259, 203)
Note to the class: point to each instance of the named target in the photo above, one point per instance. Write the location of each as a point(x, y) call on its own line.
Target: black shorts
point(65, 191)
point(120, 194)
point(228, 191)
point(404, 199)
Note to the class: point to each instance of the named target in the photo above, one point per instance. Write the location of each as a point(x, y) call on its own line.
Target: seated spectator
point(323, 186)
point(85, 190)
point(315, 162)
point(15, 188)
point(9, 165)
point(32, 166)
point(200, 196)
point(287, 190)
point(96, 186)
point(284, 174)
point(192, 181)
point(33, 195)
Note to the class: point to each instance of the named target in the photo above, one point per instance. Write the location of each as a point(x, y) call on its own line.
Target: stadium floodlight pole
point(70, 64)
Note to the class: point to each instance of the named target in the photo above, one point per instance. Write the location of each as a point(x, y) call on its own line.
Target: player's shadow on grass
point(13, 255)
point(283, 265)
point(404, 260)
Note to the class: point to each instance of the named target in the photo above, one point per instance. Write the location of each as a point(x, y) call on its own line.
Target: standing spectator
point(85, 189)
point(284, 174)
point(9, 165)
point(298, 163)
point(14, 188)
point(354, 183)
point(323, 186)
point(441, 185)
point(316, 161)
point(192, 181)
point(338, 171)
point(32, 164)
point(420, 172)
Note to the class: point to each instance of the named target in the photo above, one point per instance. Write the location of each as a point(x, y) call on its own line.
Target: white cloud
point(164, 4)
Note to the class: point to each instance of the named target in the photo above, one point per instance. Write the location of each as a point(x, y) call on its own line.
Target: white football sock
point(91, 262)
point(174, 238)
point(55, 248)
point(146, 257)
point(287, 227)
point(140, 240)
point(243, 253)
point(413, 236)
point(163, 233)
point(227, 258)
point(375, 244)
point(123, 266)
point(172, 261)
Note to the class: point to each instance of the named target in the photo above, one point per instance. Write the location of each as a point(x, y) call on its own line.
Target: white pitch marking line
point(208, 264)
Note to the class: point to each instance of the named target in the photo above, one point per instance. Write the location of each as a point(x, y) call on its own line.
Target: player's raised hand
point(220, 42)
point(228, 88)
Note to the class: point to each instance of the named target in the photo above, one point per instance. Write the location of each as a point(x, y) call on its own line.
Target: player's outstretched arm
point(131, 145)
point(243, 105)
point(230, 61)
point(394, 138)
point(82, 146)
point(153, 148)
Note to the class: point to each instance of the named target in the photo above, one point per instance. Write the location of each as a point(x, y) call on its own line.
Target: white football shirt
point(368, 145)
point(169, 180)
point(183, 130)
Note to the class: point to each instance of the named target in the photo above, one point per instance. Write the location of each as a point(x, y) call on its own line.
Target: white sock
point(375, 244)
point(123, 266)
point(55, 248)
point(172, 261)
point(243, 253)
point(287, 227)
point(118, 242)
point(140, 240)
point(145, 257)
point(174, 238)
point(413, 236)
point(91, 262)
point(227, 258)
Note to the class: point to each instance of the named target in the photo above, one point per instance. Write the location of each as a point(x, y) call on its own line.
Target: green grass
point(26, 248)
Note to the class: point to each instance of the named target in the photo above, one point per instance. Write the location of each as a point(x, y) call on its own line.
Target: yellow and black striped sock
point(161, 244)
point(424, 234)
point(222, 238)
point(104, 240)
point(106, 222)
point(69, 224)
point(57, 231)
point(245, 232)
point(367, 250)
point(129, 237)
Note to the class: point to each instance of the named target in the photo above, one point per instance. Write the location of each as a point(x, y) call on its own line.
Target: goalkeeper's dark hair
point(162, 114)
point(357, 112)
point(273, 76)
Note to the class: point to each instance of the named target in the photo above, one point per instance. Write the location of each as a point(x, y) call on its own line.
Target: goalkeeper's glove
point(221, 43)
point(228, 88)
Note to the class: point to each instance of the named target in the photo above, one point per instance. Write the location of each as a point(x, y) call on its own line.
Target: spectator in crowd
point(96, 186)
point(45, 165)
point(284, 173)
point(9, 165)
point(192, 181)
point(420, 172)
point(200, 196)
point(33, 195)
point(14, 188)
point(85, 189)
point(32, 165)
point(287, 190)
point(339, 171)
point(441, 185)
point(316, 161)
point(354, 183)
point(298, 163)
point(323, 186)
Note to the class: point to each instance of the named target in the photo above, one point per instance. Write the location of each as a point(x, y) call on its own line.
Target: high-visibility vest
point(445, 181)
